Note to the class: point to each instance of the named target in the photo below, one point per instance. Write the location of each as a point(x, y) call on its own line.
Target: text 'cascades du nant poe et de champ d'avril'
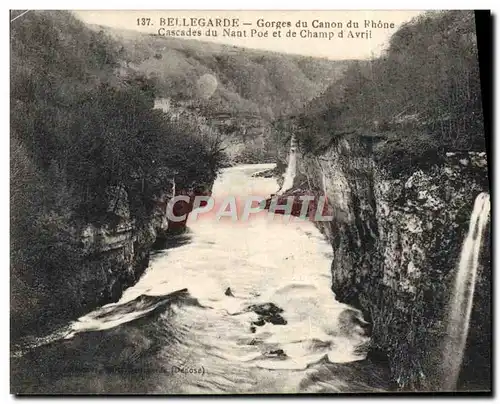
point(235, 28)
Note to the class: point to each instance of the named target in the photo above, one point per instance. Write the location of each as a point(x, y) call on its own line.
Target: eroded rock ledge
point(119, 253)
point(111, 258)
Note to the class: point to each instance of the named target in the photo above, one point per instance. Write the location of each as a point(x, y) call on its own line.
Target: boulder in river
point(268, 313)
point(265, 309)
point(278, 353)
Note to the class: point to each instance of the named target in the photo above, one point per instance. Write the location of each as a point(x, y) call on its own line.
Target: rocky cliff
point(396, 239)
point(111, 258)
point(119, 254)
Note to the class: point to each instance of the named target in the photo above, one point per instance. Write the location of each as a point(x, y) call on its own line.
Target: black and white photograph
point(250, 202)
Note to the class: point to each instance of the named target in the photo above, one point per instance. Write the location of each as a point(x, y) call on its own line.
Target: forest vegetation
point(251, 87)
point(419, 99)
point(249, 81)
point(79, 128)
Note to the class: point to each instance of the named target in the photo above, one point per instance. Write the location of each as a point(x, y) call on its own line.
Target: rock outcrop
point(118, 254)
point(396, 239)
point(111, 257)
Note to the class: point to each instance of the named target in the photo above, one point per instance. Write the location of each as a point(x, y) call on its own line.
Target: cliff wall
point(396, 239)
point(111, 258)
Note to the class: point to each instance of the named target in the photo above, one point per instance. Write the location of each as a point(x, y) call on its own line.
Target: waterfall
point(291, 169)
point(460, 308)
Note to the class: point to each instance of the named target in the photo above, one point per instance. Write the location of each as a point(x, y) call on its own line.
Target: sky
point(370, 44)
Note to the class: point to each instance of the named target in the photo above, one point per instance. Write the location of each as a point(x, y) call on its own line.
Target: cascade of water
point(291, 168)
point(460, 307)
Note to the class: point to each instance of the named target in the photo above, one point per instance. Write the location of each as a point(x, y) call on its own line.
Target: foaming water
point(460, 307)
point(198, 321)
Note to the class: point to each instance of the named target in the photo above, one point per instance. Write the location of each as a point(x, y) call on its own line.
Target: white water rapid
point(139, 344)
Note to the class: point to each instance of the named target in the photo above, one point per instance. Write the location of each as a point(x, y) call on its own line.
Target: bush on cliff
point(78, 129)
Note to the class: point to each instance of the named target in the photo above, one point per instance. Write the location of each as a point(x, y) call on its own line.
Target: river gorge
point(179, 330)
point(247, 307)
point(366, 266)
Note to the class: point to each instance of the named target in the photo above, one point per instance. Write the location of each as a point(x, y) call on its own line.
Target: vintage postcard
point(249, 202)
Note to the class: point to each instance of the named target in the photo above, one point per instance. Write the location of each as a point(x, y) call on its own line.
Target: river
point(202, 340)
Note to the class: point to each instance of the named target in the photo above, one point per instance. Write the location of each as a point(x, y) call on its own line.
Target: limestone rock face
point(117, 253)
point(396, 239)
point(113, 255)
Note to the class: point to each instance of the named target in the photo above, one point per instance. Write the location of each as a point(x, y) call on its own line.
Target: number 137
point(144, 21)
